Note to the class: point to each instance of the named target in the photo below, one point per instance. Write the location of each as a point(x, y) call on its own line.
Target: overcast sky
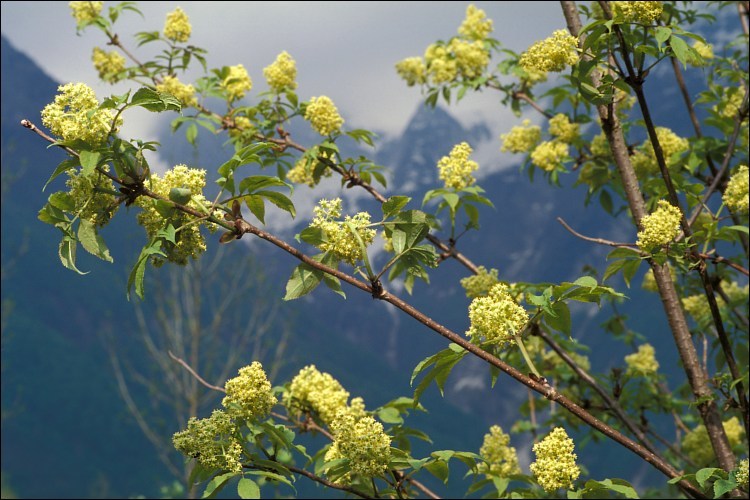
point(344, 50)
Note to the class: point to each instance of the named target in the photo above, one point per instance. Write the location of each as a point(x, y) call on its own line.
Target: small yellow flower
point(660, 227)
point(496, 317)
point(249, 394)
point(697, 445)
point(311, 390)
point(736, 196)
point(184, 93)
point(303, 171)
point(211, 440)
point(413, 70)
point(237, 82)
point(108, 64)
point(501, 458)
point(521, 139)
point(339, 239)
point(91, 202)
point(282, 74)
point(456, 168)
point(552, 54)
point(642, 362)
point(561, 127)
point(441, 66)
point(638, 12)
point(741, 473)
point(705, 51)
point(85, 12)
point(177, 26)
point(471, 58)
point(479, 285)
point(323, 115)
point(555, 466)
point(74, 115)
point(549, 155)
point(364, 442)
point(475, 26)
point(731, 103)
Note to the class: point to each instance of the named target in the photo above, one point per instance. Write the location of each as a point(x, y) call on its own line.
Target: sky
point(345, 50)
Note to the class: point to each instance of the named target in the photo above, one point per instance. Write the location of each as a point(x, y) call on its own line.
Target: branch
point(600, 241)
point(194, 374)
point(325, 482)
point(721, 260)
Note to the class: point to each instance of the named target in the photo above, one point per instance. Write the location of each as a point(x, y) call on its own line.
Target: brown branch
point(721, 260)
point(600, 241)
point(326, 482)
point(194, 374)
point(27, 124)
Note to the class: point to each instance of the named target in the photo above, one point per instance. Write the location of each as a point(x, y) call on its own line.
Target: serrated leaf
point(247, 488)
point(63, 166)
point(304, 279)
point(439, 469)
point(723, 486)
point(257, 206)
point(89, 160)
point(216, 484)
point(154, 101)
point(680, 49)
point(314, 236)
point(67, 253)
point(394, 204)
point(258, 182)
point(92, 241)
point(558, 317)
point(280, 200)
point(586, 281)
point(390, 416)
point(180, 195)
point(62, 200)
point(704, 475)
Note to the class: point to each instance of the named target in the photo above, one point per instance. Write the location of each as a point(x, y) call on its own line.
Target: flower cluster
point(338, 238)
point(212, 441)
point(475, 26)
point(75, 115)
point(363, 441)
point(480, 284)
point(741, 473)
point(552, 54)
point(249, 395)
point(704, 50)
point(323, 115)
point(600, 146)
point(109, 65)
point(660, 227)
point(500, 458)
point(185, 93)
point(697, 305)
point(549, 155)
point(456, 168)
point(730, 104)
point(496, 317)
point(561, 128)
point(242, 126)
point(303, 171)
point(413, 70)
point(555, 465)
point(672, 146)
point(312, 390)
point(736, 196)
point(189, 240)
point(85, 12)
point(638, 12)
point(90, 202)
point(697, 445)
point(521, 139)
point(237, 82)
point(177, 26)
point(281, 75)
point(642, 362)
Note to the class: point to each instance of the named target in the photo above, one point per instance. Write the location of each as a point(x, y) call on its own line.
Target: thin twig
point(600, 241)
point(194, 374)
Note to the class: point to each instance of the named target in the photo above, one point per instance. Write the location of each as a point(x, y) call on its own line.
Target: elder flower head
point(91, 202)
point(237, 82)
point(211, 440)
point(249, 395)
point(638, 12)
point(660, 227)
point(281, 75)
point(323, 115)
point(441, 65)
point(456, 168)
point(339, 239)
point(364, 442)
point(672, 145)
point(730, 104)
point(311, 390)
point(521, 139)
point(561, 127)
point(697, 445)
point(475, 26)
point(736, 196)
point(549, 155)
point(555, 466)
point(501, 459)
point(642, 362)
point(85, 11)
point(303, 171)
point(471, 57)
point(413, 70)
point(552, 54)
point(185, 93)
point(496, 317)
point(108, 64)
point(177, 26)
point(479, 285)
point(741, 473)
point(75, 115)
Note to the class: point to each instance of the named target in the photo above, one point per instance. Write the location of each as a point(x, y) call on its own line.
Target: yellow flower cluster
point(85, 11)
point(500, 458)
point(521, 139)
point(74, 115)
point(705, 51)
point(363, 441)
point(649, 282)
point(184, 93)
point(741, 473)
point(600, 146)
point(177, 26)
point(189, 240)
point(552, 359)
point(237, 82)
point(697, 445)
point(638, 12)
point(549, 155)
point(339, 239)
point(108, 64)
point(456, 168)
point(413, 70)
point(561, 128)
point(387, 243)
point(555, 465)
point(90, 202)
point(312, 390)
point(471, 57)
point(242, 126)
point(642, 362)
point(736, 196)
point(644, 160)
point(475, 26)
point(249, 394)
point(323, 115)
point(660, 227)
point(730, 105)
point(479, 285)
point(552, 54)
point(697, 305)
point(211, 440)
point(496, 317)
point(281, 75)
point(303, 170)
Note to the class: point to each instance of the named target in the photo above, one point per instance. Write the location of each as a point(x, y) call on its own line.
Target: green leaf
point(394, 204)
point(180, 195)
point(64, 166)
point(92, 241)
point(135, 279)
point(247, 488)
point(662, 34)
point(155, 101)
point(304, 280)
point(67, 253)
point(723, 486)
point(439, 469)
point(216, 484)
point(704, 475)
point(680, 49)
point(257, 206)
point(258, 182)
point(390, 416)
point(586, 281)
point(629, 270)
point(62, 200)
point(560, 319)
point(742, 229)
point(191, 133)
point(89, 160)
point(280, 200)
point(314, 236)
